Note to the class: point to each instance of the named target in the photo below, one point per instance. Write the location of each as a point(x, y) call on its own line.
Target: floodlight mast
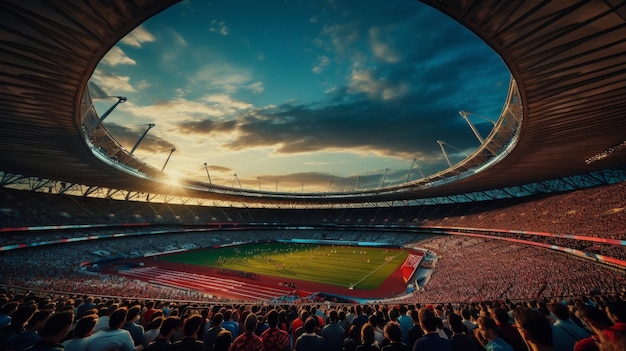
point(150, 126)
point(440, 142)
point(120, 99)
point(382, 183)
point(207, 172)
point(464, 114)
point(168, 159)
point(411, 168)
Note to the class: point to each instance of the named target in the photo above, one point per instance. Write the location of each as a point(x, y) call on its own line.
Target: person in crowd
point(487, 334)
point(248, 341)
point(83, 330)
point(168, 328)
point(30, 336)
point(230, 324)
point(309, 340)
point(595, 319)
point(190, 342)
point(368, 339)
point(86, 307)
point(261, 325)
point(19, 318)
point(431, 341)
point(115, 337)
point(406, 322)
point(378, 324)
point(103, 321)
point(146, 316)
point(53, 332)
point(566, 332)
point(353, 339)
point(507, 331)
point(534, 328)
point(460, 340)
point(211, 333)
point(467, 321)
point(416, 331)
point(393, 333)
point(153, 328)
point(275, 339)
point(223, 341)
point(333, 333)
point(136, 331)
point(616, 310)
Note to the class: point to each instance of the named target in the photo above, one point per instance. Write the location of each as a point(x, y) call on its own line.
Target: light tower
point(120, 99)
point(168, 158)
point(150, 126)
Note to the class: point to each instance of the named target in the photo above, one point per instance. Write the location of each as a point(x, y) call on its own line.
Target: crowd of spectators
point(598, 212)
point(37, 321)
point(467, 269)
point(471, 269)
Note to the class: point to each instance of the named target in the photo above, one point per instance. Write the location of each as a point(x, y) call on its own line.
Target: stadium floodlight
point(150, 126)
point(120, 99)
point(207, 172)
point(465, 115)
point(382, 183)
point(441, 142)
point(414, 163)
point(168, 158)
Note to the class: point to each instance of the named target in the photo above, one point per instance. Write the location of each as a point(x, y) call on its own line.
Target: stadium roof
point(568, 59)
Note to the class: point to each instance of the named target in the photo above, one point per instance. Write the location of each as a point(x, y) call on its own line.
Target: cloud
point(381, 42)
point(111, 82)
point(376, 88)
point(206, 126)
point(116, 56)
point(219, 169)
point(256, 87)
point(176, 111)
point(138, 37)
point(221, 77)
point(321, 64)
point(219, 27)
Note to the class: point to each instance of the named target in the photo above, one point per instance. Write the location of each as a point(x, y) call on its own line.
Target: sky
point(300, 95)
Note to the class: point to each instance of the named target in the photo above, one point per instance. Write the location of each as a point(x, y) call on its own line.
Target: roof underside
point(568, 58)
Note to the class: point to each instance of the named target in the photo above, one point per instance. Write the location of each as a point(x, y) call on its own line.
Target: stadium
point(535, 213)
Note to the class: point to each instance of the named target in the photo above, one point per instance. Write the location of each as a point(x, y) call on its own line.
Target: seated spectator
point(223, 341)
point(84, 329)
point(487, 335)
point(368, 338)
point(353, 339)
point(596, 319)
point(275, 339)
point(153, 328)
point(113, 338)
point(248, 340)
point(168, 328)
point(309, 340)
point(55, 330)
point(431, 341)
point(460, 340)
point(507, 331)
point(566, 332)
point(393, 333)
point(534, 328)
point(190, 342)
point(136, 331)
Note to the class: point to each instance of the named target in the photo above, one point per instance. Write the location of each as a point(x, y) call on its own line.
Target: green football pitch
point(362, 268)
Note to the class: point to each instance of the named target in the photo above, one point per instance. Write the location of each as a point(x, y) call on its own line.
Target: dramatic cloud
point(138, 37)
point(112, 83)
point(116, 56)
